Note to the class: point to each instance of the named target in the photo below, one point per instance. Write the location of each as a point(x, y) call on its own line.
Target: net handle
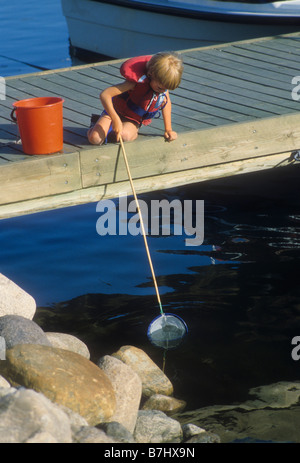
point(142, 224)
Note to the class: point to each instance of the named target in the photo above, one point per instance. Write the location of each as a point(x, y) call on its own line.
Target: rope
point(142, 225)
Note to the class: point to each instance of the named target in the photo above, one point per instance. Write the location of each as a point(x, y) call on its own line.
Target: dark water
point(33, 35)
point(238, 292)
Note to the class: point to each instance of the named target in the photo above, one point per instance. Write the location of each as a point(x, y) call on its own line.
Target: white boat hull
point(116, 31)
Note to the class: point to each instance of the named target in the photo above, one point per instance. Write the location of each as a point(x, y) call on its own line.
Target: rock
point(16, 329)
point(117, 431)
point(28, 416)
point(154, 381)
point(92, 435)
point(156, 427)
point(14, 300)
point(42, 438)
point(189, 430)
point(164, 403)
point(76, 421)
point(128, 390)
point(64, 377)
point(5, 391)
point(68, 342)
point(3, 382)
point(2, 348)
point(272, 416)
point(277, 395)
point(204, 438)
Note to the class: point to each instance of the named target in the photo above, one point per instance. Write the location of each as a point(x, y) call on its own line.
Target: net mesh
point(167, 330)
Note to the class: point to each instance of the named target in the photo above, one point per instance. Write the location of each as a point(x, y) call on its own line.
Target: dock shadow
point(10, 141)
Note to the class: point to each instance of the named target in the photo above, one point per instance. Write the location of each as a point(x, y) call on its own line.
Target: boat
point(125, 28)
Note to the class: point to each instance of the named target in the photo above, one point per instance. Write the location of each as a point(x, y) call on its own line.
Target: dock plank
point(218, 145)
point(236, 102)
point(233, 112)
point(286, 44)
point(261, 85)
point(56, 174)
point(271, 51)
point(271, 66)
point(240, 90)
point(225, 63)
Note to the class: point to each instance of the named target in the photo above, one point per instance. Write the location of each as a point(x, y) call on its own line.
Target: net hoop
point(170, 338)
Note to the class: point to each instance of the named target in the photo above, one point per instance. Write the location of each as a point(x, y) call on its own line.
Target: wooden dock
point(234, 113)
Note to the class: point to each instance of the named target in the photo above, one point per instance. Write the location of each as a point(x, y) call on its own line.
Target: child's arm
point(106, 99)
point(170, 135)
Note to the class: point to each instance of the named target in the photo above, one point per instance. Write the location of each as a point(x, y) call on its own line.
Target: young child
point(141, 97)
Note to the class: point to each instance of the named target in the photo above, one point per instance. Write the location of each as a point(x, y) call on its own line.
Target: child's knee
point(94, 137)
point(128, 135)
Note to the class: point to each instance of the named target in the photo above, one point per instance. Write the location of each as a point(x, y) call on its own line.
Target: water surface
point(238, 292)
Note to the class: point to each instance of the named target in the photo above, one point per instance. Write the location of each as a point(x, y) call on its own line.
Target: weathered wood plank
point(148, 184)
point(196, 149)
point(39, 176)
point(276, 64)
point(104, 74)
point(9, 155)
point(210, 106)
point(253, 95)
point(223, 111)
point(227, 63)
point(45, 87)
point(273, 53)
point(8, 132)
point(47, 175)
point(283, 43)
point(231, 100)
point(80, 88)
point(237, 80)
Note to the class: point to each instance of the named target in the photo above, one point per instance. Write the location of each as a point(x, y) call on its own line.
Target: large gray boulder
point(28, 416)
point(128, 390)
point(14, 300)
point(16, 329)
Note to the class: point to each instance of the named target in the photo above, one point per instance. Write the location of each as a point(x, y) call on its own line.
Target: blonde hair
point(167, 68)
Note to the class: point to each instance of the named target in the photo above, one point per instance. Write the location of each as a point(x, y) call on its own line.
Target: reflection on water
point(34, 37)
point(238, 292)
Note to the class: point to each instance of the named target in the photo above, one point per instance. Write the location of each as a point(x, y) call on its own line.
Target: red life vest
point(140, 104)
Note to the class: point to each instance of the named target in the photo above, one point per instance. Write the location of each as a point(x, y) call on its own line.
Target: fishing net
point(167, 331)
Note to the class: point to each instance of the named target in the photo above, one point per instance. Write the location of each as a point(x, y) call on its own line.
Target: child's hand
point(117, 127)
point(170, 135)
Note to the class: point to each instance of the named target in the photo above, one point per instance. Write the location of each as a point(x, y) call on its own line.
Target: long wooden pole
point(142, 224)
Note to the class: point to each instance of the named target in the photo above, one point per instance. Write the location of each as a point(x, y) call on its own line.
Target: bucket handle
point(12, 115)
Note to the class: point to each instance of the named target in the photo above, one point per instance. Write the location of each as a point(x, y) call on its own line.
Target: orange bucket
point(40, 122)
